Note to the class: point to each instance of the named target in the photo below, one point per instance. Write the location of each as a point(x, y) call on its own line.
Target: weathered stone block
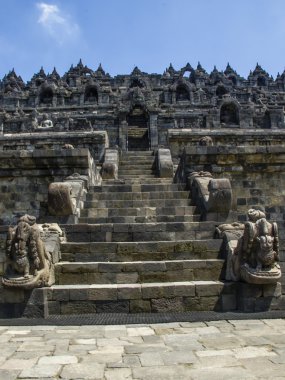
point(152, 291)
point(272, 290)
point(164, 305)
point(112, 306)
point(60, 294)
point(140, 306)
point(249, 290)
point(53, 308)
point(77, 307)
point(59, 199)
point(130, 291)
point(102, 292)
point(80, 294)
point(228, 302)
point(210, 303)
point(207, 288)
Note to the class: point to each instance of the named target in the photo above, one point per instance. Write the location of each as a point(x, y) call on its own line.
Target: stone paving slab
point(229, 349)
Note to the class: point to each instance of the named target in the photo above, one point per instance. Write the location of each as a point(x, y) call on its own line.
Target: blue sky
point(148, 33)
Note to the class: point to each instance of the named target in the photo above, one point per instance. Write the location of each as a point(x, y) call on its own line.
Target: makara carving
point(28, 262)
point(255, 258)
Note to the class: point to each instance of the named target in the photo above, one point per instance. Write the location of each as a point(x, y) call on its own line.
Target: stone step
point(125, 232)
point(141, 251)
point(138, 211)
point(137, 195)
point(137, 165)
point(135, 203)
point(139, 298)
point(115, 187)
point(140, 219)
point(139, 181)
point(137, 177)
point(138, 271)
point(136, 153)
point(137, 162)
point(134, 172)
point(138, 236)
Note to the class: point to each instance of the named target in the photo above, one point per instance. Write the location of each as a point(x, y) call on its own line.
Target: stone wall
point(25, 177)
point(96, 141)
point(257, 176)
point(178, 139)
point(24, 180)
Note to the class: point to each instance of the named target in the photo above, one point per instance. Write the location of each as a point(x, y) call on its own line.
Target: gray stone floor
point(252, 349)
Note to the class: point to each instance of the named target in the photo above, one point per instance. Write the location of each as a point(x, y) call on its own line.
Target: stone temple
point(141, 193)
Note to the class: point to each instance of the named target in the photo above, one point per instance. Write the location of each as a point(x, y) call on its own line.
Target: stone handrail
point(110, 165)
point(164, 163)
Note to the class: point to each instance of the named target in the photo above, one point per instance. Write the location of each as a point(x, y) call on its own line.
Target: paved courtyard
point(252, 349)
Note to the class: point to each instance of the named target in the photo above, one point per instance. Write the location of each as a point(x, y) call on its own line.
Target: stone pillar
point(277, 118)
point(153, 131)
point(123, 128)
point(245, 118)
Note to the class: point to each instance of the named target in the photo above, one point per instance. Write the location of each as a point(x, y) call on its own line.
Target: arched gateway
point(138, 129)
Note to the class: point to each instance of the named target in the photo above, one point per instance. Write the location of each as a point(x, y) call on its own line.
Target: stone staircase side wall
point(180, 139)
point(95, 141)
point(164, 163)
point(257, 177)
point(111, 164)
point(25, 177)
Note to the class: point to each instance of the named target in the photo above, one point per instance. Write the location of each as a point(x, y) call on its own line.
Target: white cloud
point(56, 23)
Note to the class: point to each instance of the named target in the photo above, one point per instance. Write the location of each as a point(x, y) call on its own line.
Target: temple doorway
point(138, 130)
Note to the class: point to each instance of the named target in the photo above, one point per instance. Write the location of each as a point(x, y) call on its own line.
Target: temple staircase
point(140, 247)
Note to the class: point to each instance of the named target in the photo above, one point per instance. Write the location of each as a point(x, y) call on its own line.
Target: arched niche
point(229, 114)
point(233, 79)
point(137, 117)
point(39, 82)
point(261, 81)
point(136, 83)
point(182, 94)
point(220, 91)
point(266, 120)
point(137, 129)
point(91, 94)
point(46, 96)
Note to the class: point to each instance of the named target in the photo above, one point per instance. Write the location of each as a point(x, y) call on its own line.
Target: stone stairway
point(139, 247)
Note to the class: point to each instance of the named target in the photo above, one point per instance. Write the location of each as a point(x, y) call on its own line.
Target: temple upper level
point(189, 98)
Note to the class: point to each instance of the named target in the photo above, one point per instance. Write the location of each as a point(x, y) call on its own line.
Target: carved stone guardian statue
point(255, 259)
point(28, 262)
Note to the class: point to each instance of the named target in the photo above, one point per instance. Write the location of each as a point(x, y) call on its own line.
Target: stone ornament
point(60, 199)
point(211, 195)
point(28, 264)
point(255, 258)
point(206, 141)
